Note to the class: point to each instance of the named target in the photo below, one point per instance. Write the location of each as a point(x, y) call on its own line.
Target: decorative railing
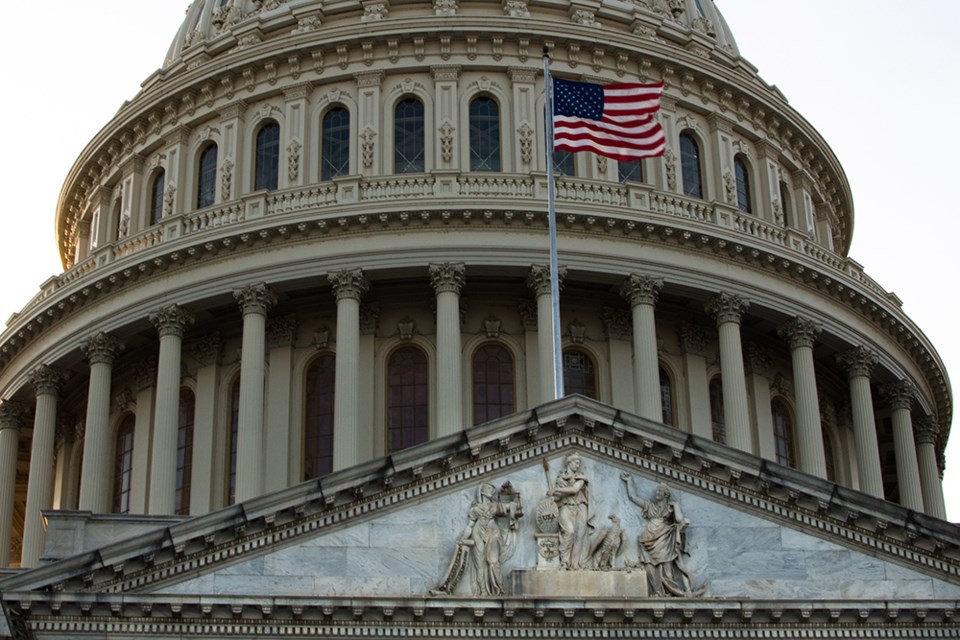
point(496, 186)
point(752, 226)
point(213, 217)
point(299, 200)
point(602, 193)
point(674, 205)
point(397, 188)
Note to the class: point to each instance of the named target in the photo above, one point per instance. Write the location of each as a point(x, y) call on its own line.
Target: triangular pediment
point(410, 527)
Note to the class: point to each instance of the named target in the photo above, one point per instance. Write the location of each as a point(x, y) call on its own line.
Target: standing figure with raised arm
point(662, 543)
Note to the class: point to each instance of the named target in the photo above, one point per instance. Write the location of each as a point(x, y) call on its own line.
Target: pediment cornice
point(688, 463)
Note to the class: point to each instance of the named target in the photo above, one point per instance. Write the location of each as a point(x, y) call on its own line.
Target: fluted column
point(46, 382)
point(100, 350)
point(801, 334)
point(539, 281)
point(728, 310)
point(642, 292)
point(171, 322)
point(859, 362)
point(255, 301)
point(349, 286)
point(11, 413)
point(900, 394)
point(926, 432)
point(447, 279)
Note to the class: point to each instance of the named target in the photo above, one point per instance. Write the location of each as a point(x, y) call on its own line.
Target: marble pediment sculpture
point(573, 515)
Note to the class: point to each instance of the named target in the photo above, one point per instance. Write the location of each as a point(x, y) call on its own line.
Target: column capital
point(727, 307)
point(693, 338)
point(539, 278)
point(926, 430)
point(756, 359)
point(101, 348)
point(858, 361)
point(800, 332)
point(206, 349)
point(171, 320)
point(616, 322)
point(349, 284)
point(47, 380)
point(255, 298)
point(11, 414)
point(144, 374)
point(641, 289)
point(899, 394)
point(369, 318)
point(447, 277)
point(282, 332)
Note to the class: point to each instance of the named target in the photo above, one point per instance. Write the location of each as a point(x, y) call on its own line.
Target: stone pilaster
point(539, 281)
point(171, 323)
point(728, 310)
point(801, 334)
point(926, 433)
point(641, 292)
point(693, 342)
point(282, 456)
point(448, 279)
point(11, 417)
point(900, 396)
point(209, 471)
point(349, 286)
point(255, 301)
point(100, 349)
point(47, 383)
point(859, 363)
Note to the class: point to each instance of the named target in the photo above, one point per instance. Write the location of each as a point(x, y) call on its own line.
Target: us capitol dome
point(305, 278)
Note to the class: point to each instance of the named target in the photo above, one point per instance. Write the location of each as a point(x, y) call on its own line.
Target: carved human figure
point(662, 543)
point(570, 490)
point(485, 544)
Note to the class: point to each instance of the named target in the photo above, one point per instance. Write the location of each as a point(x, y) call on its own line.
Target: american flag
point(613, 120)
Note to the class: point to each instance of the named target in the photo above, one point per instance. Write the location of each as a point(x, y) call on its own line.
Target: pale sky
point(875, 77)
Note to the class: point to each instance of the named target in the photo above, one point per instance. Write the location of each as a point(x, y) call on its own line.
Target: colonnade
point(915, 442)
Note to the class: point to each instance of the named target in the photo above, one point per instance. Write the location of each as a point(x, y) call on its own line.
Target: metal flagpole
point(552, 215)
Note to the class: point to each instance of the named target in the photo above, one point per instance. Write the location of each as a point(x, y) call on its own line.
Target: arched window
point(579, 373)
point(492, 383)
point(232, 441)
point(564, 163)
point(783, 433)
point(484, 134)
point(785, 202)
point(743, 185)
point(267, 157)
point(156, 197)
point(666, 397)
point(335, 144)
point(123, 465)
point(407, 399)
point(717, 422)
point(630, 171)
point(408, 137)
point(828, 456)
point(318, 430)
point(188, 406)
point(690, 166)
point(207, 177)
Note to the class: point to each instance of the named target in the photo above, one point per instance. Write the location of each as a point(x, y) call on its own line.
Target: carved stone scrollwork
point(12, 414)
point(321, 338)
point(491, 326)
point(693, 338)
point(640, 289)
point(617, 323)
point(446, 141)
point(367, 139)
point(226, 178)
point(282, 332)
point(206, 349)
point(349, 284)
point(757, 359)
point(101, 348)
point(577, 332)
point(730, 187)
point(144, 374)
point(47, 380)
point(374, 10)
point(858, 361)
point(899, 394)
point(526, 142)
point(255, 298)
point(406, 328)
point(293, 159)
point(528, 314)
point(727, 307)
point(172, 320)
point(800, 332)
point(445, 7)
point(369, 318)
point(516, 8)
point(447, 277)
point(539, 278)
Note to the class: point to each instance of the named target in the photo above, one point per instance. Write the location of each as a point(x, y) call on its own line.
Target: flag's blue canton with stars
point(577, 99)
point(614, 120)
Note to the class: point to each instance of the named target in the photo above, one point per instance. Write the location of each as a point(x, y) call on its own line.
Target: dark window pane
point(563, 163)
point(492, 383)
point(666, 397)
point(318, 430)
point(484, 135)
point(743, 185)
point(335, 144)
point(123, 465)
point(408, 127)
point(156, 197)
point(630, 170)
point(579, 374)
point(716, 411)
point(690, 166)
point(268, 157)
point(207, 177)
point(232, 443)
point(782, 433)
point(188, 406)
point(408, 404)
